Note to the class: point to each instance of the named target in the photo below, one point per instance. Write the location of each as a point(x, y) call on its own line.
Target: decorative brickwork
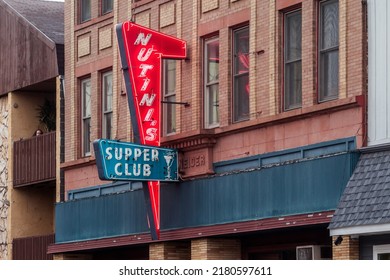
point(208, 5)
point(105, 37)
point(167, 14)
point(215, 249)
point(83, 46)
point(348, 249)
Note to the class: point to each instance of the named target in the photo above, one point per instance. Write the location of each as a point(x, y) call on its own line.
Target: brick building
point(31, 71)
point(277, 108)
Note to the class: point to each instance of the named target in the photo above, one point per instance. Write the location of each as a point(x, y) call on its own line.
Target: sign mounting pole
point(141, 51)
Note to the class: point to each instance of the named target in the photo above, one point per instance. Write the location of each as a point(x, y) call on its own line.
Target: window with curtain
point(107, 105)
point(292, 60)
point(328, 50)
point(85, 10)
point(241, 74)
point(86, 116)
point(169, 95)
point(106, 6)
point(211, 82)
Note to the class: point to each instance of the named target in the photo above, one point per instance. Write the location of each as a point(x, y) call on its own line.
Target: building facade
point(267, 113)
point(31, 70)
point(361, 222)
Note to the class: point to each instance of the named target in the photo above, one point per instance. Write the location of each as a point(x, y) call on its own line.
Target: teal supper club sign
point(128, 161)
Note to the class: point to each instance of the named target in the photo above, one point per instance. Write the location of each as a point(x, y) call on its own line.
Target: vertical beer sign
point(141, 51)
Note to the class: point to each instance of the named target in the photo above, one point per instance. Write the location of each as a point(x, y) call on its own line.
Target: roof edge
point(375, 148)
point(361, 230)
point(49, 42)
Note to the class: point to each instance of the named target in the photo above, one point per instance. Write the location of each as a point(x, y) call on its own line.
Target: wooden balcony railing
point(32, 248)
point(35, 159)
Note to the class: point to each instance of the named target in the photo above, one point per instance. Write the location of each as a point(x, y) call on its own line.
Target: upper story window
point(86, 117)
point(241, 74)
point(106, 6)
point(107, 105)
point(292, 60)
point(211, 82)
point(85, 10)
point(169, 95)
point(328, 50)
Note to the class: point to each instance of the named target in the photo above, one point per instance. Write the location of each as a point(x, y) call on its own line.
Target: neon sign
point(142, 50)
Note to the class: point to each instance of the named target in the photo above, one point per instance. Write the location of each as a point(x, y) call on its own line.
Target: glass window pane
point(85, 10)
point(171, 115)
point(293, 35)
point(107, 92)
point(211, 74)
point(170, 76)
point(241, 74)
point(169, 94)
point(86, 92)
point(329, 13)
point(293, 85)
point(292, 60)
point(107, 105)
point(212, 50)
point(241, 98)
point(107, 126)
point(106, 6)
point(241, 51)
point(212, 95)
point(384, 256)
point(86, 136)
point(329, 74)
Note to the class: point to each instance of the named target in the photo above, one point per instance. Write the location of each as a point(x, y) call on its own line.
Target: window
point(328, 50)
point(211, 81)
point(381, 252)
point(292, 60)
point(86, 116)
point(169, 95)
point(241, 74)
point(106, 6)
point(107, 105)
point(85, 10)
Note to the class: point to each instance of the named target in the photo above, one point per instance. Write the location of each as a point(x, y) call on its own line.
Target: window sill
point(93, 21)
point(90, 160)
point(207, 137)
point(334, 105)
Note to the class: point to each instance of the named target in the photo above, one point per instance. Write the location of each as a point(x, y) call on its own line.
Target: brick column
point(179, 250)
point(215, 249)
point(348, 249)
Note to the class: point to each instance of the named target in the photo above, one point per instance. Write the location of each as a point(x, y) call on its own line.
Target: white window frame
point(106, 112)
point(380, 249)
point(207, 86)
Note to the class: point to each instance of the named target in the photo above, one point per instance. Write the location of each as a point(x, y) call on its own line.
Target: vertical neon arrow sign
point(141, 51)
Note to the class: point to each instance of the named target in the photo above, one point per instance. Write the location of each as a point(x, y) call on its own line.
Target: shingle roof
point(366, 198)
point(47, 16)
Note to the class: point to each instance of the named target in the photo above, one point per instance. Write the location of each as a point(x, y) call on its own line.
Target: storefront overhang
point(297, 187)
point(190, 233)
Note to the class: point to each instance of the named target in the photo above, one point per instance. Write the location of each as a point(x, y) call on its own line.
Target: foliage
point(47, 115)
